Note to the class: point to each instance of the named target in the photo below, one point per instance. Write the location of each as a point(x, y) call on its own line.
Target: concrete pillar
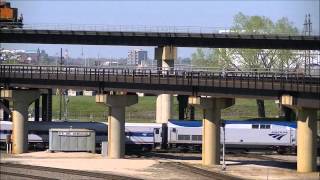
point(36, 109)
point(164, 108)
point(287, 113)
point(116, 121)
point(306, 140)
point(165, 55)
point(4, 106)
point(192, 114)
point(44, 107)
point(306, 132)
point(21, 100)
point(183, 104)
point(49, 105)
point(211, 126)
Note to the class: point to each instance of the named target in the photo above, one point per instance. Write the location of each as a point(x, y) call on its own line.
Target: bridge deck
point(228, 84)
point(126, 38)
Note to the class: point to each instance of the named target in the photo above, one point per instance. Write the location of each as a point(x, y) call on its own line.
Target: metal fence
point(273, 80)
point(145, 28)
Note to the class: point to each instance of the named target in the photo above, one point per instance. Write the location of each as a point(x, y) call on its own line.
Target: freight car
point(9, 16)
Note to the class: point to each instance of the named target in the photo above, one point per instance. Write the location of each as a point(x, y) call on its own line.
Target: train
point(9, 16)
point(182, 135)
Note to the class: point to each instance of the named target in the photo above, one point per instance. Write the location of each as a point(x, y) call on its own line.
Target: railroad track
point(256, 156)
point(19, 175)
point(57, 171)
point(202, 173)
point(186, 168)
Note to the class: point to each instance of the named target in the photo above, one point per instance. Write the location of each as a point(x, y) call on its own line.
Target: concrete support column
point(307, 140)
point(116, 120)
point(164, 108)
point(211, 136)
point(211, 126)
point(183, 104)
point(44, 107)
point(192, 115)
point(306, 131)
point(21, 100)
point(116, 132)
point(4, 105)
point(165, 56)
point(49, 105)
point(36, 109)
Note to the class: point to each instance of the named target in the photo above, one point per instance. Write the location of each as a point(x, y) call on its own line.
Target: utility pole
point(307, 32)
point(61, 57)
point(60, 90)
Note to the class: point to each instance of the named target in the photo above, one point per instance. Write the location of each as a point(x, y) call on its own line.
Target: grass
point(84, 108)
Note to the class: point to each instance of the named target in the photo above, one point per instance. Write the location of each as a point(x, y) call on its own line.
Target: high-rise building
point(137, 57)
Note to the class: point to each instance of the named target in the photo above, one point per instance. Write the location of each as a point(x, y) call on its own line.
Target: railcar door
point(292, 136)
point(157, 135)
point(173, 134)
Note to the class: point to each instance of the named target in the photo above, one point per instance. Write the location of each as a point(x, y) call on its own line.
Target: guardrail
point(267, 80)
point(177, 69)
point(146, 28)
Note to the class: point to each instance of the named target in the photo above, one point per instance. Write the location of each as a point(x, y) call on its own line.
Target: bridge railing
point(143, 28)
point(300, 72)
point(289, 81)
point(29, 69)
point(154, 69)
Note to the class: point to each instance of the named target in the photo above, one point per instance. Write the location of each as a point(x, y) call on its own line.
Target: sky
point(215, 13)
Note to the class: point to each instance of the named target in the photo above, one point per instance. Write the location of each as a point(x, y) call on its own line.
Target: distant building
point(23, 56)
point(137, 57)
point(72, 92)
point(88, 93)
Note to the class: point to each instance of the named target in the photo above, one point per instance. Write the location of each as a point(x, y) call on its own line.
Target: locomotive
point(9, 16)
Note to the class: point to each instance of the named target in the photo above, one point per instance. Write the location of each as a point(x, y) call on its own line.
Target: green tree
point(248, 59)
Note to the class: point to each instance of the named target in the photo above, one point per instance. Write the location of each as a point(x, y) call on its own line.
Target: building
point(23, 56)
point(137, 57)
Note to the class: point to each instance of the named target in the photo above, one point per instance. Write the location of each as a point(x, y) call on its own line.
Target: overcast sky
point(151, 12)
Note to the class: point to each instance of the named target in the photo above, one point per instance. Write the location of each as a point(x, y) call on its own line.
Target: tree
point(248, 59)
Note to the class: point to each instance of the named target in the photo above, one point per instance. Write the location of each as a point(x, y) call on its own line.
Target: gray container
point(72, 140)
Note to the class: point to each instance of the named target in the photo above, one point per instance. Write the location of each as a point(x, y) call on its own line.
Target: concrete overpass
point(116, 86)
point(117, 89)
point(176, 39)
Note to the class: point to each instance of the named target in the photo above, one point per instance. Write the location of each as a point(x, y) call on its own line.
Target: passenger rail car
point(176, 134)
point(142, 135)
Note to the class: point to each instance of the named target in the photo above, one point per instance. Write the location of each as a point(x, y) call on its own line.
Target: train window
point(174, 130)
point(255, 126)
point(184, 137)
point(264, 126)
point(157, 131)
point(196, 137)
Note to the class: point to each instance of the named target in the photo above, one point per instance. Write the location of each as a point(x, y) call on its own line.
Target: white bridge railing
point(143, 28)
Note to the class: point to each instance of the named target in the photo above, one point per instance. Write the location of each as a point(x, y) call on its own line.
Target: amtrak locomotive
point(176, 134)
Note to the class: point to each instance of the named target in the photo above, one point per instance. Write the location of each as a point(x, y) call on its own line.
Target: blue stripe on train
point(140, 134)
point(197, 123)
